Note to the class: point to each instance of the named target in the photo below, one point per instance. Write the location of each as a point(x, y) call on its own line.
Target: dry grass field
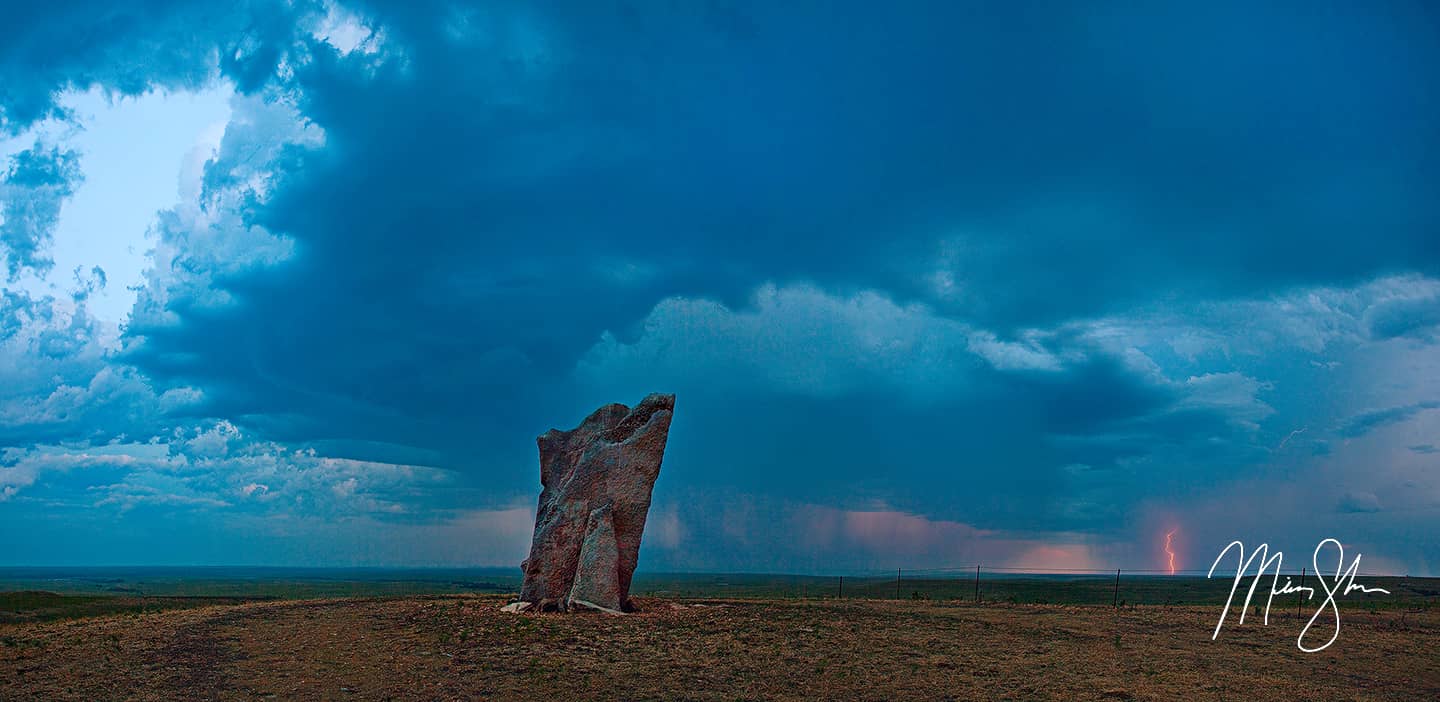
point(461, 648)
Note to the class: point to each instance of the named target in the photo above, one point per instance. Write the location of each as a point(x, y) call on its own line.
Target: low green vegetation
point(42, 595)
point(1087, 589)
point(37, 606)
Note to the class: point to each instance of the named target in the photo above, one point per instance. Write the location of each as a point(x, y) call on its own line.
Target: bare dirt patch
point(462, 647)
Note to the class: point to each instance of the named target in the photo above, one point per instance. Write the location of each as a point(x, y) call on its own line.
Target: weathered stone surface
point(597, 576)
point(596, 482)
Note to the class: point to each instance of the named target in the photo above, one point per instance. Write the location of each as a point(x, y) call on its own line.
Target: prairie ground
point(460, 647)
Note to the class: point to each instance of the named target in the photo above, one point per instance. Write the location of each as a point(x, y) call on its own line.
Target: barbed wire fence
point(981, 584)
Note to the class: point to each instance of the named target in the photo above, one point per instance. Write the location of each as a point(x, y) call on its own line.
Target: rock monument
point(596, 482)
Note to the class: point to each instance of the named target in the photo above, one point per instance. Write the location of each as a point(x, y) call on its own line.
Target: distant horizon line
point(946, 572)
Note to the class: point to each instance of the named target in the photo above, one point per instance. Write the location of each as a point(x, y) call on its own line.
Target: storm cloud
point(1025, 270)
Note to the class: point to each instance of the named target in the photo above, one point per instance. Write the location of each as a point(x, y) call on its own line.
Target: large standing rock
point(597, 480)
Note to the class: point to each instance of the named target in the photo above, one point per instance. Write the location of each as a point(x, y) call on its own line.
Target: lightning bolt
point(1168, 552)
point(1292, 435)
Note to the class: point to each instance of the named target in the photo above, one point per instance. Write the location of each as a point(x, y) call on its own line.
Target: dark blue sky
point(1025, 283)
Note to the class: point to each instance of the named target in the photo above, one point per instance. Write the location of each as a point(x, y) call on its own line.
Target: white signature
point(1346, 578)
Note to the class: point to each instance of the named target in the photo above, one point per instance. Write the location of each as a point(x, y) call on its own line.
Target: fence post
point(842, 588)
point(897, 583)
point(1116, 601)
point(977, 582)
point(1298, 604)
